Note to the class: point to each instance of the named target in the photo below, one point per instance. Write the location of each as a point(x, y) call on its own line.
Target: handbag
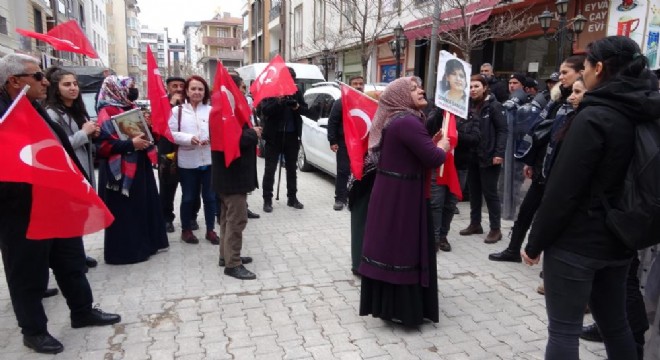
point(170, 161)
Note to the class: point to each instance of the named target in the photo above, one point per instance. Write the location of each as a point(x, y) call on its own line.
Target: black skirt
point(405, 304)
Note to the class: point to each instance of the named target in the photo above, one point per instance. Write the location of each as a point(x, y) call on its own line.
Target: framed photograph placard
point(130, 123)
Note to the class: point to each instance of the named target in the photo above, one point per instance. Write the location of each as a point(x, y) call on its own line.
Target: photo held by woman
point(126, 180)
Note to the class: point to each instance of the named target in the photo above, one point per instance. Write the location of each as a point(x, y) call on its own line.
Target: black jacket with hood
point(592, 163)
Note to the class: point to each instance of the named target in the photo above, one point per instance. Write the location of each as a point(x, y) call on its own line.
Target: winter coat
point(493, 129)
point(469, 136)
point(276, 114)
point(590, 167)
point(336, 124)
point(194, 122)
point(241, 175)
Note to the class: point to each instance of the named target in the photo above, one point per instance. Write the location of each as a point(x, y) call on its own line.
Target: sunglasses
point(36, 76)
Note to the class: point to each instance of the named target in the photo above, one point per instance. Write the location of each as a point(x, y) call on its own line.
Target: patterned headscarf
point(114, 92)
point(395, 100)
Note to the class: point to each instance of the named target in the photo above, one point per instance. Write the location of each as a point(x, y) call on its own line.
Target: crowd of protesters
point(573, 150)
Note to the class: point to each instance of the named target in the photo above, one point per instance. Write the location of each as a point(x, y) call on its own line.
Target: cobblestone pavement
point(304, 303)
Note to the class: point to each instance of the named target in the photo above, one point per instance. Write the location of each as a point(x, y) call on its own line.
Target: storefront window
point(516, 55)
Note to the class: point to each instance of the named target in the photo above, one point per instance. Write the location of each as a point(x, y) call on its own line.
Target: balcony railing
point(275, 12)
point(221, 41)
point(230, 54)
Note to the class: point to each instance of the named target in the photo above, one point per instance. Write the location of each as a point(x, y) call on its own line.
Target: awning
point(476, 13)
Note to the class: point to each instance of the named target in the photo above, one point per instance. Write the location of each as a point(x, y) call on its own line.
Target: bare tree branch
point(467, 37)
point(360, 23)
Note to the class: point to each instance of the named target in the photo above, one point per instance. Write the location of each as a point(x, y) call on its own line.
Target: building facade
point(191, 43)
point(157, 40)
point(133, 41)
point(117, 32)
point(219, 39)
point(96, 29)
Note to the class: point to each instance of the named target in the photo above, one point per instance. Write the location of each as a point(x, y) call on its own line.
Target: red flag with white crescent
point(274, 81)
point(358, 113)
point(71, 32)
point(64, 204)
point(449, 176)
point(161, 110)
point(229, 113)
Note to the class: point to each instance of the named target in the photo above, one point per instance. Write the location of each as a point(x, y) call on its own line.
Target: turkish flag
point(358, 113)
point(230, 112)
point(274, 81)
point(64, 204)
point(160, 104)
point(448, 175)
point(71, 32)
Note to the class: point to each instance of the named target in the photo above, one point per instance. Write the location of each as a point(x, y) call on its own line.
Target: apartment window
point(348, 14)
point(319, 19)
point(223, 32)
point(3, 25)
point(297, 26)
point(390, 6)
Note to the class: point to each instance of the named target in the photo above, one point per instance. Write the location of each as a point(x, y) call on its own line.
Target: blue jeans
point(192, 180)
point(571, 282)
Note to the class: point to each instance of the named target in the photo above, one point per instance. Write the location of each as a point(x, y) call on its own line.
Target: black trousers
point(167, 185)
point(483, 182)
point(26, 265)
point(526, 213)
point(273, 149)
point(343, 172)
point(635, 308)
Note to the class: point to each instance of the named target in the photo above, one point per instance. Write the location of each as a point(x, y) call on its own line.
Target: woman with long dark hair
point(484, 168)
point(584, 262)
point(65, 106)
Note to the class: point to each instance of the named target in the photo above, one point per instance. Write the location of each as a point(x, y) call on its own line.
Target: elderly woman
point(398, 261)
point(126, 182)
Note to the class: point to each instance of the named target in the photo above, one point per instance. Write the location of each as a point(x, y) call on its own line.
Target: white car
point(315, 149)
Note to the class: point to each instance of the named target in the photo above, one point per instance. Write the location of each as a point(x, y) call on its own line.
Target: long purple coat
point(395, 246)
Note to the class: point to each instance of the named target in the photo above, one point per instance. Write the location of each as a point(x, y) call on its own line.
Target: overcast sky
point(158, 14)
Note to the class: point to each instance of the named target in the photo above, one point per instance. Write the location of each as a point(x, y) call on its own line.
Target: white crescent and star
point(29, 154)
point(230, 97)
point(264, 78)
point(70, 43)
point(362, 115)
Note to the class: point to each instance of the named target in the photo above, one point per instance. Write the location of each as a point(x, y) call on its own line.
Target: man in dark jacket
point(26, 261)
point(338, 145)
point(232, 184)
point(282, 128)
point(496, 86)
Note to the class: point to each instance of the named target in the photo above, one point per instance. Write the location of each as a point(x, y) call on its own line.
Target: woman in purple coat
point(398, 260)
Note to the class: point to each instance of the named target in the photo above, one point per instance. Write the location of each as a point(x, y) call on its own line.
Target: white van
point(306, 74)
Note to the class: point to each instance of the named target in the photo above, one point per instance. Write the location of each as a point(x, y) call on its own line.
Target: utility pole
point(430, 78)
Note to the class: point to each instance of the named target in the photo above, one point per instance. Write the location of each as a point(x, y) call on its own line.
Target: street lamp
point(561, 33)
point(325, 57)
point(397, 45)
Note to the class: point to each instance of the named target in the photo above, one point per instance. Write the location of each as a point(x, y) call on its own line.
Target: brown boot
point(494, 235)
point(472, 229)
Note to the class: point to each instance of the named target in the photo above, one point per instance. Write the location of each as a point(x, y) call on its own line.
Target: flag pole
point(445, 128)
point(13, 103)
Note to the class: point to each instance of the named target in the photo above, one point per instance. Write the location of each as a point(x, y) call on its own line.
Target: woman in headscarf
point(398, 266)
point(126, 181)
